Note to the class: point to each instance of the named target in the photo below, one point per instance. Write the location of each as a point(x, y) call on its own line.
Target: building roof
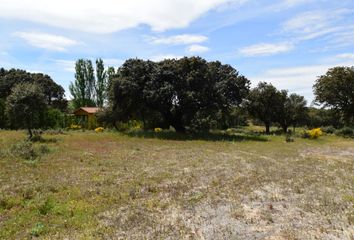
point(88, 109)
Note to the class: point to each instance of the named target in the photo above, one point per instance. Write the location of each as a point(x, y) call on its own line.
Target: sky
point(288, 43)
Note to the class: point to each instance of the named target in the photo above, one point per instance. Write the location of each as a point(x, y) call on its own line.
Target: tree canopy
point(90, 86)
point(265, 103)
point(9, 78)
point(335, 89)
point(26, 105)
point(188, 92)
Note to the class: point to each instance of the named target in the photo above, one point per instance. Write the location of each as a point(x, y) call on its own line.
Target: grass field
point(115, 186)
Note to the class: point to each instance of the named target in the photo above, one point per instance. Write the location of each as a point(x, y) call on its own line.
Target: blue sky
point(287, 43)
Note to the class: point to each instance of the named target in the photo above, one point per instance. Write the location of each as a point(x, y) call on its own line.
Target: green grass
point(145, 185)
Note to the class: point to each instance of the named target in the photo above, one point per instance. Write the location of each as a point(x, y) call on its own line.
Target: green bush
point(345, 132)
point(328, 129)
point(24, 150)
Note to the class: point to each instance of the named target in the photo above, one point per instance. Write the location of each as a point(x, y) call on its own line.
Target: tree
point(293, 110)
point(185, 93)
point(335, 89)
point(82, 89)
point(54, 93)
point(101, 83)
point(90, 89)
point(265, 103)
point(25, 106)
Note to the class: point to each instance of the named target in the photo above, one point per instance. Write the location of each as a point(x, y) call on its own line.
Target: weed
point(37, 230)
point(46, 207)
point(24, 150)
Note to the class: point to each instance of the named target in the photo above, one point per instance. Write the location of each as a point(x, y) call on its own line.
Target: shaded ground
point(111, 186)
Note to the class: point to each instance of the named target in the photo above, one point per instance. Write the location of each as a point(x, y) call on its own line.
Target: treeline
point(196, 95)
point(189, 94)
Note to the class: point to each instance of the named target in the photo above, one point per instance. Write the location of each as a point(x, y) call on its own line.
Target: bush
point(312, 134)
point(345, 132)
point(157, 130)
point(99, 129)
point(75, 127)
point(315, 133)
point(24, 149)
point(329, 129)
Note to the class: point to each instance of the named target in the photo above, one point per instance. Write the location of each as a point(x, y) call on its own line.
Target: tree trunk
point(267, 125)
point(30, 135)
point(285, 128)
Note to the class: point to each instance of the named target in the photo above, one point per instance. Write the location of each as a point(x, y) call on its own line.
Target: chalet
point(87, 116)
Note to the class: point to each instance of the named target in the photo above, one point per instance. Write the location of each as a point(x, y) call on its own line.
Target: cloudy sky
point(286, 42)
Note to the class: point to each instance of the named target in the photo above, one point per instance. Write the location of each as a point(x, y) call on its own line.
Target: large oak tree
point(335, 89)
point(185, 93)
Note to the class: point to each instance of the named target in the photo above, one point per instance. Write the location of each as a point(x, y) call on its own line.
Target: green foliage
point(101, 83)
point(38, 229)
point(46, 207)
point(82, 89)
point(54, 93)
point(54, 119)
point(90, 89)
point(185, 93)
point(345, 132)
point(265, 103)
point(328, 129)
point(336, 89)
point(26, 106)
point(270, 105)
point(294, 111)
point(24, 150)
point(323, 117)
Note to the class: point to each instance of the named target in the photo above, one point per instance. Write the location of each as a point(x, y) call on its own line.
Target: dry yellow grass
point(113, 186)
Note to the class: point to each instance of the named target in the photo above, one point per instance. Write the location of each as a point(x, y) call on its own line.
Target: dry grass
point(112, 186)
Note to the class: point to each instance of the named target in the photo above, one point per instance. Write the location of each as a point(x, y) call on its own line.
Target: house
point(86, 116)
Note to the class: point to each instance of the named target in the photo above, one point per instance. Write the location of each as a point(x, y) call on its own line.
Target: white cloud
point(179, 39)
point(298, 79)
point(345, 56)
point(66, 65)
point(313, 24)
point(107, 16)
point(47, 41)
point(158, 58)
point(197, 49)
point(266, 49)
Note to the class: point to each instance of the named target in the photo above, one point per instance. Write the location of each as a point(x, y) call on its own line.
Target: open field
point(114, 186)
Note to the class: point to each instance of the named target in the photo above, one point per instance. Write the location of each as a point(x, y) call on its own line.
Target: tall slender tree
point(82, 89)
point(101, 83)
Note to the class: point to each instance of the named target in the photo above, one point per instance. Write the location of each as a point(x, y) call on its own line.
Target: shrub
point(345, 132)
point(24, 149)
point(313, 133)
point(75, 127)
point(46, 207)
point(329, 129)
point(99, 129)
point(37, 136)
point(157, 130)
point(43, 149)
